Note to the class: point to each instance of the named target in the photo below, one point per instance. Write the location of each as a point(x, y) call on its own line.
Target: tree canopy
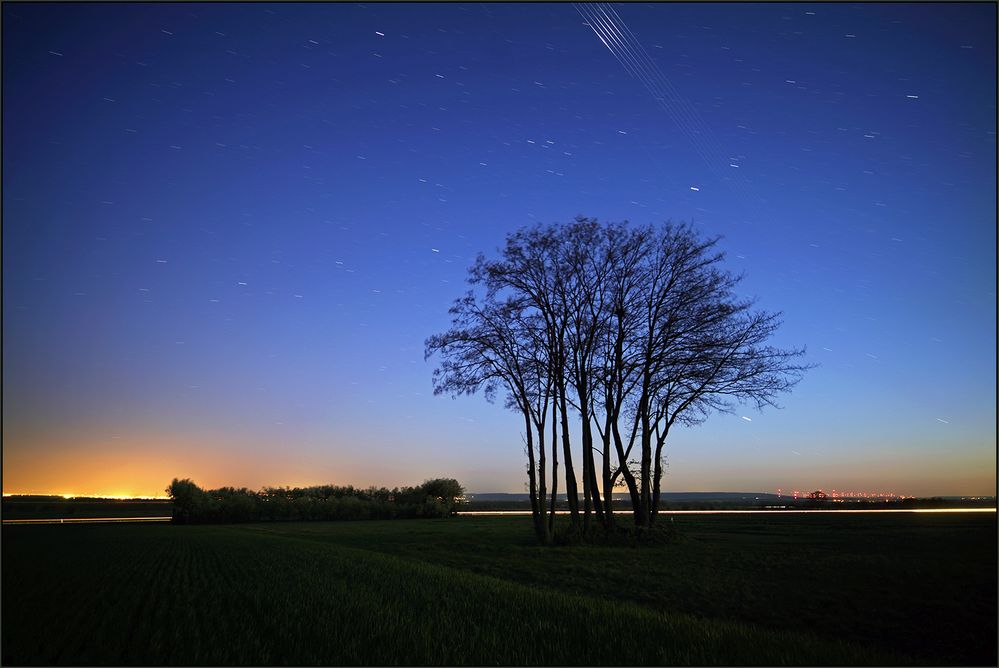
point(630, 330)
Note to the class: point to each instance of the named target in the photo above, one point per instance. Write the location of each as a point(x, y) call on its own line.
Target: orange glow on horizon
point(139, 464)
point(142, 466)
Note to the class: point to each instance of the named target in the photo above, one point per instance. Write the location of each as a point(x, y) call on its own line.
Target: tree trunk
point(591, 470)
point(589, 466)
point(551, 514)
point(570, 475)
point(542, 483)
point(606, 474)
point(657, 478)
point(539, 526)
point(645, 502)
point(629, 477)
point(587, 508)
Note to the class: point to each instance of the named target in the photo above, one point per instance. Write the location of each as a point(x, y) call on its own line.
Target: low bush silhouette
point(439, 497)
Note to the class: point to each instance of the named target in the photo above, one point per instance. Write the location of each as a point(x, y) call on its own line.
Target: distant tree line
point(629, 330)
point(439, 497)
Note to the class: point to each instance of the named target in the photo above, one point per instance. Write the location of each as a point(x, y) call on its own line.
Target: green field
point(815, 589)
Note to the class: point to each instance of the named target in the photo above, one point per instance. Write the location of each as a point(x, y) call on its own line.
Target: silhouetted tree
point(189, 501)
point(636, 329)
point(446, 491)
point(488, 347)
point(699, 347)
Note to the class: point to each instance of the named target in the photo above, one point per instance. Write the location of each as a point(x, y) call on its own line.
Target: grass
point(750, 590)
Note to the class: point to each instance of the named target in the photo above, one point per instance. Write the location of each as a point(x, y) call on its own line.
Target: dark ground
point(814, 589)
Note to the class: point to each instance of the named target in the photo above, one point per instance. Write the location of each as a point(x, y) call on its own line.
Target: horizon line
point(121, 497)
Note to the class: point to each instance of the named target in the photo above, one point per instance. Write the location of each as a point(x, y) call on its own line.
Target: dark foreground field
point(746, 589)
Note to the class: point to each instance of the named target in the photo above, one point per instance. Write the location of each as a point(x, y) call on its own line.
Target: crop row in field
point(241, 595)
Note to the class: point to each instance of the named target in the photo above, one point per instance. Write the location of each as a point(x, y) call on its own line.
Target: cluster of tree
point(633, 329)
point(439, 497)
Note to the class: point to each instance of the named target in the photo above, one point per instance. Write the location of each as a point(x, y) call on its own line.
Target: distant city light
point(839, 494)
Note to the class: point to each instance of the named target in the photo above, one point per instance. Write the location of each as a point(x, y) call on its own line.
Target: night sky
point(228, 229)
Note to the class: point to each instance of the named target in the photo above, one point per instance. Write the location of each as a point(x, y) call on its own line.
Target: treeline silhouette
point(439, 497)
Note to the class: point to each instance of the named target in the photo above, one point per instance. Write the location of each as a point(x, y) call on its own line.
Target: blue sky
point(229, 228)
